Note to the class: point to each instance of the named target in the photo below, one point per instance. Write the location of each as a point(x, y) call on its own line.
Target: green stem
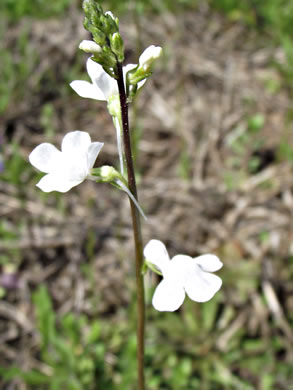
point(136, 229)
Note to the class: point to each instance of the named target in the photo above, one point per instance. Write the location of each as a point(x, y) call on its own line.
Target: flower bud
point(117, 46)
point(108, 173)
point(116, 20)
point(143, 69)
point(149, 56)
point(110, 14)
point(90, 47)
point(105, 174)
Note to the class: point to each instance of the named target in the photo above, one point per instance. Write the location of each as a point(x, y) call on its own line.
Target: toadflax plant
point(117, 85)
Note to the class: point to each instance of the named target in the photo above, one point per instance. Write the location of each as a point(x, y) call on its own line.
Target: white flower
point(69, 167)
point(103, 86)
point(182, 274)
point(149, 55)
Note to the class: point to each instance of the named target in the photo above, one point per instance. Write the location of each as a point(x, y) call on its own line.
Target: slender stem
point(136, 229)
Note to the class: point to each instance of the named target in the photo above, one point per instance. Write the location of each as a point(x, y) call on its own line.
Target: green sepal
point(136, 75)
point(144, 268)
point(152, 268)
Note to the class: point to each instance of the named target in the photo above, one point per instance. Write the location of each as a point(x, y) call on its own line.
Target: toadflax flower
point(182, 274)
point(103, 86)
point(68, 168)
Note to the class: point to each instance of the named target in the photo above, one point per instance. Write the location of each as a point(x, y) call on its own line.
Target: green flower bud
point(106, 58)
point(109, 24)
point(117, 46)
point(106, 174)
point(91, 8)
point(116, 20)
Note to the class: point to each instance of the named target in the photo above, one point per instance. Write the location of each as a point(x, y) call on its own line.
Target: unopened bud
point(107, 174)
point(117, 46)
point(149, 56)
point(116, 20)
point(110, 13)
point(90, 47)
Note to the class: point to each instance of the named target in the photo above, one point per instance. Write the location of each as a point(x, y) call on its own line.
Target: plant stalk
point(136, 229)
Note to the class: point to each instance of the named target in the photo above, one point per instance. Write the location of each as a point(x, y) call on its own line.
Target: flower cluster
point(182, 275)
point(73, 164)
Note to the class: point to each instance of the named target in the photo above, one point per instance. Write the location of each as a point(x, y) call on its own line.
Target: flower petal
point(76, 143)
point(107, 85)
point(75, 167)
point(94, 69)
point(45, 157)
point(92, 154)
point(156, 253)
point(168, 296)
point(87, 90)
point(53, 182)
point(201, 286)
point(103, 82)
point(209, 263)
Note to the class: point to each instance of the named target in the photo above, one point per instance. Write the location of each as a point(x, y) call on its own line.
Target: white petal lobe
point(52, 182)
point(201, 286)
point(156, 253)
point(209, 263)
point(87, 90)
point(45, 157)
point(92, 153)
point(168, 296)
point(94, 70)
point(104, 83)
point(76, 143)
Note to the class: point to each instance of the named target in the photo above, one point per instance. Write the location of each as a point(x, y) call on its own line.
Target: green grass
point(15, 10)
point(181, 350)
point(272, 19)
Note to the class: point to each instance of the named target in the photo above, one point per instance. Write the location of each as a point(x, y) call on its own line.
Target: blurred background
point(213, 142)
